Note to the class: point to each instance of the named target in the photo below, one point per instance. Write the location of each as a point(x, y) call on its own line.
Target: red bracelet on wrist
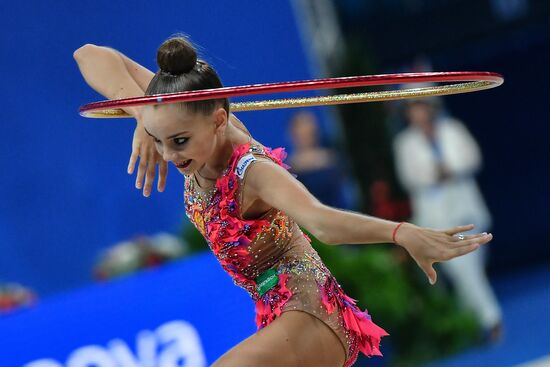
point(395, 232)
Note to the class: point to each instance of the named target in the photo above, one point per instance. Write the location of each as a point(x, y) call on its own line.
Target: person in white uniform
point(436, 159)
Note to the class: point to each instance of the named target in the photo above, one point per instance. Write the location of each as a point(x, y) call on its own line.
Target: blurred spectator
point(14, 296)
point(436, 159)
point(318, 168)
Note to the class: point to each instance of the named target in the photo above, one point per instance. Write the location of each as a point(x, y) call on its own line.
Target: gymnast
point(249, 209)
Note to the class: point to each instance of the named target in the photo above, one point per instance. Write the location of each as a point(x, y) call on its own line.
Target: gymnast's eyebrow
point(170, 137)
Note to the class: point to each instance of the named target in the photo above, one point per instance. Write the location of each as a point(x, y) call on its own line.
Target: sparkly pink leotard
point(272, 259)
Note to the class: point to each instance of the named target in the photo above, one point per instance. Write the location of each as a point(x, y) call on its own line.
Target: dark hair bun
point(176, 56)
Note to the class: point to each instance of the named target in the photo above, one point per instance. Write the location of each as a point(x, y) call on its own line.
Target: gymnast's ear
point(220, 119)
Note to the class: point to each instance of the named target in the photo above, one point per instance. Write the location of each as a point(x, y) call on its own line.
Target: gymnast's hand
point(428, 246)
point(143, 147)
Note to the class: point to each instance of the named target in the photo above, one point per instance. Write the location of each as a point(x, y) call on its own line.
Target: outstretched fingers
point(142, 168)
point(481, 239)
point(432, 246)
point(461, 238)
point(463, 250)
point(464, 246)
point(163, 172)
point(133, 160)
point(149, 177)
point(430, 272)
point(459, 229)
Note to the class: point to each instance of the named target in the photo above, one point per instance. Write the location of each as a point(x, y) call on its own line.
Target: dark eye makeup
point(177, 141)
point(180, 141)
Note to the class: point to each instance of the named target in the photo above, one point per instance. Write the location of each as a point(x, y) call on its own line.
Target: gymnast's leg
point(295, 339)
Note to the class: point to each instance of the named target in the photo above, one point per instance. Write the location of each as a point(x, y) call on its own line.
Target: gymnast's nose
point(168, 155)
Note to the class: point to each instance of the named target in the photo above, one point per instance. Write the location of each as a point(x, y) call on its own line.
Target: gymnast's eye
point(156, 140)
point(180, 141)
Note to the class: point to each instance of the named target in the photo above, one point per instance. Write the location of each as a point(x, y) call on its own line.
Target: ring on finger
point(460, 237)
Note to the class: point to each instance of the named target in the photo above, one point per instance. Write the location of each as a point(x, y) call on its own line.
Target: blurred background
point(94, 274)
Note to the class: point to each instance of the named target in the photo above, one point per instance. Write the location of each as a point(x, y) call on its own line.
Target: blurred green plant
point(127, 257)
point(14, 296)
point(194, 239)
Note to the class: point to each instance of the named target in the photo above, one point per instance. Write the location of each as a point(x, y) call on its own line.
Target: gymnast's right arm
point(114, 76)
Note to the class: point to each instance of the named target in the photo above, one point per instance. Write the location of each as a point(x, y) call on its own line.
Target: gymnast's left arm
point(276, 187)
point(114, 75)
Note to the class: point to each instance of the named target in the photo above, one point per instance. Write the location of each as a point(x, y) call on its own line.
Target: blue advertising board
point(184, 314)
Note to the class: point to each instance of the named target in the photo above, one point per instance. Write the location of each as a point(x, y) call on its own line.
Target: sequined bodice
point(245, 248)
point(272, 259)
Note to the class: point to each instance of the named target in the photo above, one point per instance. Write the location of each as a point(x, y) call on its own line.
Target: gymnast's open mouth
point(183, 164)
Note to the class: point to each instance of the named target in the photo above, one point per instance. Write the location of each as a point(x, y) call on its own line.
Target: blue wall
point(511, 125)
point(64, 190)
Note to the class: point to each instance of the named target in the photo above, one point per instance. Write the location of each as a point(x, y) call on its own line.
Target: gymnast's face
point(188, 140)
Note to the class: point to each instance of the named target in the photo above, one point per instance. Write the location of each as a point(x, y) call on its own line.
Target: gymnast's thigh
point(295, 339)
